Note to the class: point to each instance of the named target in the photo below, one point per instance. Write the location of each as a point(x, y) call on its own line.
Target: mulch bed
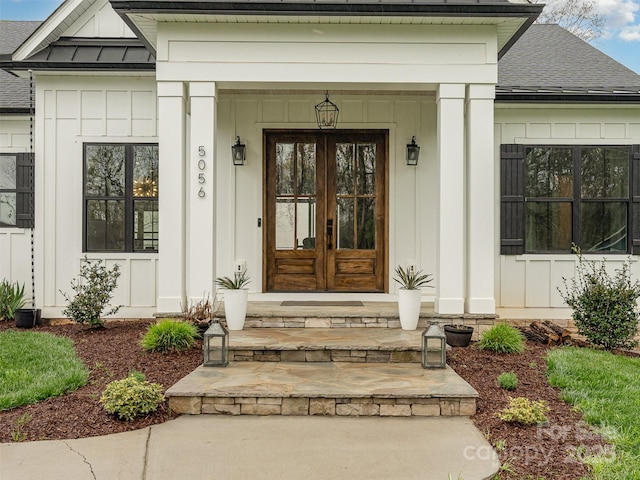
point(111, 353)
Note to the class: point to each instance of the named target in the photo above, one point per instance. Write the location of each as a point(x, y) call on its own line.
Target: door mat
point(316, 303)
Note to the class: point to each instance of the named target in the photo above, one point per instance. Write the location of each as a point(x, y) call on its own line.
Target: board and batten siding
point(533, 280)
point(412, 190)
point(72, 111)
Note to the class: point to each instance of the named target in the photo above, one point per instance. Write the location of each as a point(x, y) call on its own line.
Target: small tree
point(93, 291)
point(580, 17)
point(604, 305)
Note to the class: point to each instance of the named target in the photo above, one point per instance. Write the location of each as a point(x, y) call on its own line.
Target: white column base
point(446, 306)
point(481, 306)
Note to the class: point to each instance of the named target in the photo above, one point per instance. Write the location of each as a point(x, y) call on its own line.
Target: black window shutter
point(24, 190)
point(635, 199)
point(512, 178)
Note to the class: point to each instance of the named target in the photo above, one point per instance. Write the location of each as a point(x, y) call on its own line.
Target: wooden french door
point(325, 211)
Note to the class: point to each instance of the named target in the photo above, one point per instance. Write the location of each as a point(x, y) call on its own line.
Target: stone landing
point(323, 388)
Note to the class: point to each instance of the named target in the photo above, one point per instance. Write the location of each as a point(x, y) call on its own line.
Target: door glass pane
point(306, 169)
point(7, 171)
point(604, 227)
point(549, 172)
point(605, 172)
point(145, 225)
point(345, 166)
point(285, 223)
point(344, 224)
point(548, 226)
point(7, 209)
point(306, 223)
point(145, 171)
point(367, 169)
point(105, 170)
point(105, 225)
point(284, 168)
point(366, 223)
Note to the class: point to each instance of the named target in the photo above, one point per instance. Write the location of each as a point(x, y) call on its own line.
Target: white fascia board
point(51, 29)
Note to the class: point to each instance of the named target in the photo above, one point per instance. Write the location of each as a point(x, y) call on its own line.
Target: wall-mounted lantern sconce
point(413, 152)
point(327, 113)
point(238, 152)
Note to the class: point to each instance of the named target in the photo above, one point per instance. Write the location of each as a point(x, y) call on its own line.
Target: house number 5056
point(201, 166)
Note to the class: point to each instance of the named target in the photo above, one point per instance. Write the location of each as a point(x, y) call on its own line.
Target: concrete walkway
point(230, 448)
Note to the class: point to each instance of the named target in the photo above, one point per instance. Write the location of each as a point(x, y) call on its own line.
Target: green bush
point(604, 305)
point(11, 299)
point(522, 410)
point(94, 289)
point(169, 336)
point(502, 338)
point(131, 397)
point(508, 380)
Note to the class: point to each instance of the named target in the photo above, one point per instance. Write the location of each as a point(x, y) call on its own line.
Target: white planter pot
point(235, 308)
point(409, 308)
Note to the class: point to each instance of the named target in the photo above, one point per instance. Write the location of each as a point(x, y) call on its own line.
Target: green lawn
point(36, 366)
point(606, 389)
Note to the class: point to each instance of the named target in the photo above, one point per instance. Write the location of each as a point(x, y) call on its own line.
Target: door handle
point(329, 233)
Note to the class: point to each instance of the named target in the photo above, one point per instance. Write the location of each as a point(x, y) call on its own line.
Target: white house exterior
point(169, 86)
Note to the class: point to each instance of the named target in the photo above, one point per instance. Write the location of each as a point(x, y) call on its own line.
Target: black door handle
point(329, 233)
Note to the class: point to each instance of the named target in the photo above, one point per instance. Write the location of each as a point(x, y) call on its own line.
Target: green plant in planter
point(12, 298)
point(604, 305)
point(239, 280)
point(412, 280)
point(93, 291)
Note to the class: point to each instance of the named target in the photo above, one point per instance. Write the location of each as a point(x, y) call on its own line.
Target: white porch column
point(201, 191)
point(171, 191)
point(450, 269)
point(480, 200)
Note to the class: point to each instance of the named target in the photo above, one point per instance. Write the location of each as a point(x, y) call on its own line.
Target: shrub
point(508, 380)
point(169, 336)
point(522, 410)
point(131, 397)
point(11, 299)
point(94, 289)
point(604, 305)
point(502, 338)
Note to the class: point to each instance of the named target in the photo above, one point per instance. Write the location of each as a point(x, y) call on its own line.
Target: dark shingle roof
point(549, 63)
point(14, 91)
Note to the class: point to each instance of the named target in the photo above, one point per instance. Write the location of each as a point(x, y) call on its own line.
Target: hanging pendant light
point(327, 113)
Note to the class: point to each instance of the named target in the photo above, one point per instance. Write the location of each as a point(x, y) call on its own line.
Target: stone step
point(368, 315)
point(323, 388)
point(325, 345)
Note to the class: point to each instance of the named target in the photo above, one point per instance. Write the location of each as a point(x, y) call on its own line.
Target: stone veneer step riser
point(367, 406)
point(323, 355)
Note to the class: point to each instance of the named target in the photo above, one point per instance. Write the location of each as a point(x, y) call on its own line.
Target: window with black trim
point(16, 190)
point(553, 196)
point(120, 197)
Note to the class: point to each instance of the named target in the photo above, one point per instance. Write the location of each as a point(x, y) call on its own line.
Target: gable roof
point(511, 17)
point(549, 64)
point(14, 94)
